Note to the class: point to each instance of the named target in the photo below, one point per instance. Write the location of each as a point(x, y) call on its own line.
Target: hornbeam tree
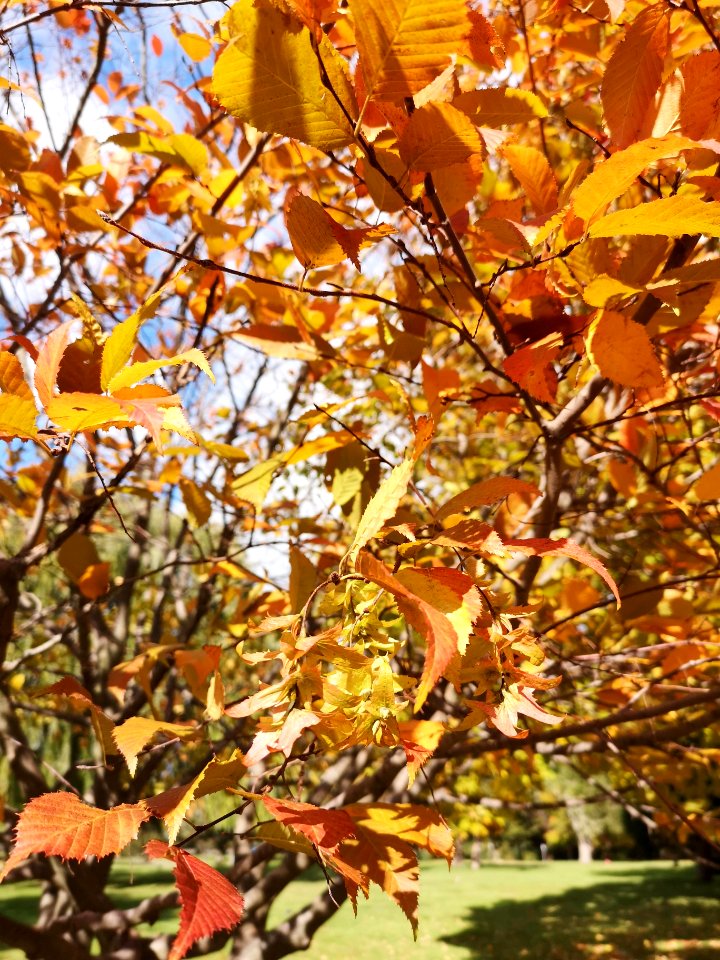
point(360, 416)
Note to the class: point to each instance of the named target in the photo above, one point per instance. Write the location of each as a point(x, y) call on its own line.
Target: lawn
point(533, 911)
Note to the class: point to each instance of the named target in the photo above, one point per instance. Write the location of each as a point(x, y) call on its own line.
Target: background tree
point(279, 532)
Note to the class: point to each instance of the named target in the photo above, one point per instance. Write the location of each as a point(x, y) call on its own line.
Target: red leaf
point(60, 824)
point(157, 45)
point(324, 828)
point(209, 902)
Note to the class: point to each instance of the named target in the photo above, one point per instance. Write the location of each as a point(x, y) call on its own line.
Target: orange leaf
point(700, 98)
point(531, 367)
point(532, 171)
point(60, 824)
point(208, 901)
point(540, 547)
point(633, 75)
point(622, 351)
point(439, 135)
point(12, 377)
point(419, 739)
point(323, 828)
point(516, 700)
point(404, 45)
point(320, 241)
point(440, 604)
point(484, 494)
point(48, 361)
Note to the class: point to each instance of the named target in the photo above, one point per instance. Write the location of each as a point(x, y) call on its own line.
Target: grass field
point(533, 911)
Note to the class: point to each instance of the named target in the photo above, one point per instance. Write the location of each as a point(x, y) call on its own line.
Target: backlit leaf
point(532, 171)
point(208, 901)
point(131, 375)
point(622, 351)
point(320, 241)
point(269, 76)
point(633, 75)
point(708, 486)
point(12, 376)
point(541, 547)
point(612, 177)
point(134, 734)
point(498, 106)
point(667, 217)
point(404, 44)
point(387, 498)
point(60, 824)
point(484, 494)
point(323, 828)
point(439, 135)
point(48, 361)
point(17, 417)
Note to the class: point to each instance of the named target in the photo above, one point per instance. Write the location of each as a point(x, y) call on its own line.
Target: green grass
point(533, 911)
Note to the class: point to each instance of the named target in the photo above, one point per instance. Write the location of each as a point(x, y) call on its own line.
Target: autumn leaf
point(534, 174)
point(516, 700)
point(208, 901)
point(612, 177)
point(500, 106)
point(48, 362)
point(12, 376)
point(320, 241)
point(17, 417)
point(633, 75)
point(419, 739)
point(132, 736)
point(440, 604)
point(404, 45)
point(485, 493)
point(541, 547)
point(272, 51)
point(387, 499)
point(438, 135)
point(325, 829)
point(622, 351)
point(667, 217)
point(60, 824)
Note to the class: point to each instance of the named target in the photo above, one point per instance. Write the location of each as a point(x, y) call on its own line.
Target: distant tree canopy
point(360, 414)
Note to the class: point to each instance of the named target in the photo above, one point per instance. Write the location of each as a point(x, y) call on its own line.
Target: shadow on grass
point(664, 915)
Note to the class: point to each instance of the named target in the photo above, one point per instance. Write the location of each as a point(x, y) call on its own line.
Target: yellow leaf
point(254, 485)
point(179, 149)
point(14, 149)
point(387, 498)
point(532, 171)
point(195, 46)
point(438, 135)
point(604, 288)
point(497, 106)
point(120, 343)
point(667, 217)
point(138, 371)
point(269, 76)
point(134, 734)
point(75, 412)
point(634, 73)
point(278, 340)
point(17, 417)
point(196, 503)
point(215, 701)
point(611, 178)
point(708, 486)
point(404, 44)
point(622, 351)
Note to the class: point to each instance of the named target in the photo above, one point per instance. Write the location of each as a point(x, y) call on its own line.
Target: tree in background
point(360, 398)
